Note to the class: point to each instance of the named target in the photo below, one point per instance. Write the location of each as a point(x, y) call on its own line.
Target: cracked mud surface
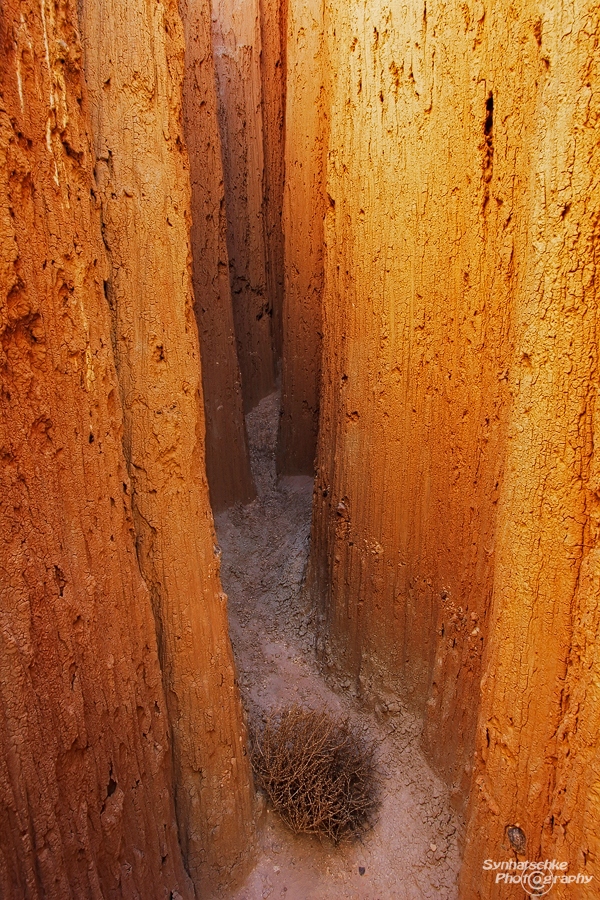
point(412, 850)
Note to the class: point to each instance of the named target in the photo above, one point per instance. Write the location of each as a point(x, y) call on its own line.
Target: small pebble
point(433, 848)
point(361, 870)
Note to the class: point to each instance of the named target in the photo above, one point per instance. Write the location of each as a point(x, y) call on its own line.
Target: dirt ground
point(412, 850)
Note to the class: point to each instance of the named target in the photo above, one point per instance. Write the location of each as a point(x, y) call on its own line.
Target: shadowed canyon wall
point(237, 47)
point(229, 476)
point(273, 30)
point(134, 72)
point(455, 515)
point(303, 237)
point(86, 793)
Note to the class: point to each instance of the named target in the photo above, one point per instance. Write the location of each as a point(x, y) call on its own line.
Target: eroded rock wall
point(227, 457)
point(273, 29)
point(134, 71)
point(454, 519)
point(237, 47)
point(538, 746)
point(86, 808)
point(303, 216)
point(416, 323)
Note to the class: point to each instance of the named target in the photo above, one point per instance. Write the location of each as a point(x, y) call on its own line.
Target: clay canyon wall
point(237, 44)
point(110, 787)
point(397, 207)
point(454, 551)
point(229, 476)
point(142, 173)
point(86, 784)
point(303, 215)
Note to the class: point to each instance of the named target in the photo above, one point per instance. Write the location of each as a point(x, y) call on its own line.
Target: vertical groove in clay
point(227, 457)
point(85, 763)
point(237, 49)
point(134, 71)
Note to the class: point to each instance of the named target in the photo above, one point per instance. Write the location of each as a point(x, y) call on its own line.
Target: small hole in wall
point(488, 146)
point(517, 838)
point(489, 118)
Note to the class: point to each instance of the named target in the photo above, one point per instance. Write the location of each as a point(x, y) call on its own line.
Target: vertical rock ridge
point(304, 212)
point(237, 47)
point(415, 323)
point(454, 530)
point(134, 71)
point(273, 22)
point(537, 761)
point(86, 792)
point(227, 457)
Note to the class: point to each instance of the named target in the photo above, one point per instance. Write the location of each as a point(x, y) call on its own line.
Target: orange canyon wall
point(455, 523)
point(273, 30)
point(303, 214)
point(537, 761)
point(86, 792)
point(454, 552)
point(229, 475)
point(416, 324)
point(237, 45)
point(134, 71)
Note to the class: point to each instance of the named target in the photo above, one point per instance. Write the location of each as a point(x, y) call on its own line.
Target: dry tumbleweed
point(317, 771)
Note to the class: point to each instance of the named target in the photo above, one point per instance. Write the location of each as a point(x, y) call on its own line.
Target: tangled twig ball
point(317, 771)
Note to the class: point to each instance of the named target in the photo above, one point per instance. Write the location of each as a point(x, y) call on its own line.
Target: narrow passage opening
point(412, 849)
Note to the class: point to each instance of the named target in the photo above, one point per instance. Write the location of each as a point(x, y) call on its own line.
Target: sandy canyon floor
point(412, 850)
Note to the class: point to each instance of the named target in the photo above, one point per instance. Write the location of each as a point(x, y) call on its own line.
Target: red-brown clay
point(86, 790)
point(227, 459)
point(143, 186)
point(441, 213)
point(455, 510)
point(237, 49)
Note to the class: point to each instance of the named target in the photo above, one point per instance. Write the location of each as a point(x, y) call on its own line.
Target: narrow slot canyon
point(299, 374)
point(264, 547)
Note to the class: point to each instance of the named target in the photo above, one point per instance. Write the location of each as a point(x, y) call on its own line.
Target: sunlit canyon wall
point(454, 557)
point(426, 272)
point(85, 763)
point(109, 786)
